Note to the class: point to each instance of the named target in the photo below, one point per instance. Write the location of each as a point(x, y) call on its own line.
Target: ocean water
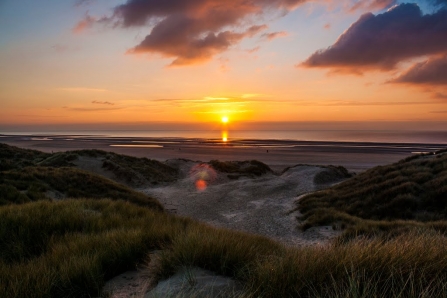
point(373, 136)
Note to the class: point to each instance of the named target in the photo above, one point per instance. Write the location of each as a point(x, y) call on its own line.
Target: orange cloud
point(87, 22)
point(273, 35)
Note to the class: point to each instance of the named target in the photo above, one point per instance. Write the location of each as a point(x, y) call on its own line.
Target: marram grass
point(70, 248)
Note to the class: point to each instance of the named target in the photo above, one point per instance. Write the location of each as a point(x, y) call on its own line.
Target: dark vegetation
point(408, 193)
point(237, 169)
point(46, 183)
point(132, 171)
point(70, 247)
point(332, 174)
point(13, 157)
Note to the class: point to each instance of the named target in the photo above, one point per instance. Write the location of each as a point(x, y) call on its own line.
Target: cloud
point(82, 2)
point(272, 35)
point(372, 5)
point(81, 109)
point(87, 22)
point(82, 89)
point(382, 41)
point(187, 51)
point(103, 103)
point(193, 31)
point(431, 72)
point(438, 2)
point(253, 50)
point(440, 95)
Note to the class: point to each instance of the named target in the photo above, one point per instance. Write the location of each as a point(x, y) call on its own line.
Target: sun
point(225, 119)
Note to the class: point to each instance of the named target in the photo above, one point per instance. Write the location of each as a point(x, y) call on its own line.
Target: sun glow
point(225, 119)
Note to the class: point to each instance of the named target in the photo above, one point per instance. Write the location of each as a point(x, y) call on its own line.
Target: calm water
point(388, 136)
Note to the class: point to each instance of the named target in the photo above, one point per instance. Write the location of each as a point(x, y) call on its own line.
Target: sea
point(369, 136)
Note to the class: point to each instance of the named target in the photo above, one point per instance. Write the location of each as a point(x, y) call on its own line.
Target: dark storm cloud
point(193, 31)
point(381, 41)
point(431, 72)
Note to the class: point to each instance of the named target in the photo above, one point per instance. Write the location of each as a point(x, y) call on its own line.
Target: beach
point(278, 154)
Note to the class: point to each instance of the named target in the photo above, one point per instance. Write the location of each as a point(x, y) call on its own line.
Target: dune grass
point(35, 183)
point(414, 190)
point(134, 171)
point(70, 248)
point(406, 266)
point(12, 157)
point(131, 170)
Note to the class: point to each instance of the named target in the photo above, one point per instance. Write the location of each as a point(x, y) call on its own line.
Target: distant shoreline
point(356, 156)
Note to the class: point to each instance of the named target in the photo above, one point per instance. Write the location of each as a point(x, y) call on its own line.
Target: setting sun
point(225, 119)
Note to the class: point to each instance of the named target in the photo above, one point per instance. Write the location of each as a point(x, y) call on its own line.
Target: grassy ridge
point(414, 189)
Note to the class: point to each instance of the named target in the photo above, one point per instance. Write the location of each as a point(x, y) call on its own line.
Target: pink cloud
point(273, 35)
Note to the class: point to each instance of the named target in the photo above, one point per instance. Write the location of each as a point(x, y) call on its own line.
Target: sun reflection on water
point(225, 136)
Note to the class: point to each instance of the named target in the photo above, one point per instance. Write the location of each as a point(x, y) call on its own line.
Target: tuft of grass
point(225, 252)
point(406, 266)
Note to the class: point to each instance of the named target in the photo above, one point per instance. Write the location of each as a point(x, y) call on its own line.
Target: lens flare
point(201, 185)
point(202, 175)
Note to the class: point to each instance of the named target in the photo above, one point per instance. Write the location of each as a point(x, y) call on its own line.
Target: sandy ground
point(259, 205)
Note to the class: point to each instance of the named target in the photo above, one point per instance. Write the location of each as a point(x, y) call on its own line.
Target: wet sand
point(278, 154)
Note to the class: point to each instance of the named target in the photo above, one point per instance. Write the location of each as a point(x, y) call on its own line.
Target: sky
point(170, 63)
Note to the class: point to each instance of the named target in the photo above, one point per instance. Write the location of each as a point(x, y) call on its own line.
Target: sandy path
point(259, 205)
